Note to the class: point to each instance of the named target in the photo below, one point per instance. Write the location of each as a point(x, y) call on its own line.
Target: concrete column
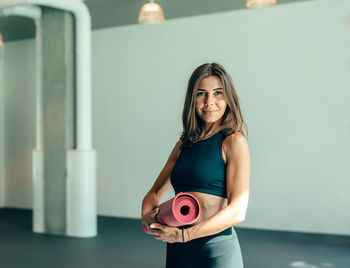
point(58, 114)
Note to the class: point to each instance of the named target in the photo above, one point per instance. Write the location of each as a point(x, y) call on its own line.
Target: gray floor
point(122, 243)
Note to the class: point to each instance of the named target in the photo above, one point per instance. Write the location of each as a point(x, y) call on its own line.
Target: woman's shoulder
point(177, 149)
point(236, 135)
point(234, 141)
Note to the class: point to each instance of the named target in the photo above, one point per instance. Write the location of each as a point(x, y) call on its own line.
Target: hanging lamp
point(151, 13)
point(260, 3)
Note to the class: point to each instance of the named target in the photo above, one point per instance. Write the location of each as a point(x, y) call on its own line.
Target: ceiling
point(113, 13)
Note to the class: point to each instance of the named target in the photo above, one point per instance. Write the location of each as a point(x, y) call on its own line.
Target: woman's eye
point(216, 93)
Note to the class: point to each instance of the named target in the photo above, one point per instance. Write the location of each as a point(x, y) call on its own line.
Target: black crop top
point(200, 168)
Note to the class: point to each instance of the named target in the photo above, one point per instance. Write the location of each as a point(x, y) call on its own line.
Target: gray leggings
point(221, 250)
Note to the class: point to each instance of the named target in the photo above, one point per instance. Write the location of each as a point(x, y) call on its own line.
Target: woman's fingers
point(149, 217)
point(159, 231)
point(155, 212)
point(157, 226)
point(158, 237)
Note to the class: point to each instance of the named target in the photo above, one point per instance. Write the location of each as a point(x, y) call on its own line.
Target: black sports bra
point(201, 168)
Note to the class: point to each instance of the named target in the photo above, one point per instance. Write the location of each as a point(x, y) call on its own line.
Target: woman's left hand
point(166, 233)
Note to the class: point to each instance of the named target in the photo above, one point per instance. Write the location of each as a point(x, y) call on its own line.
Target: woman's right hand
point(150, 217)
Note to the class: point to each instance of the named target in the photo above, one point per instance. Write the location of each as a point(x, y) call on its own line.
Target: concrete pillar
point(58, 114)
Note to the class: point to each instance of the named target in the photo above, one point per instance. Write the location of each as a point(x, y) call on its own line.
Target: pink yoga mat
point(183, 209)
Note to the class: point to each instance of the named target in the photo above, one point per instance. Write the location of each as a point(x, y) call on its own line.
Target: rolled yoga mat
point(183, 209)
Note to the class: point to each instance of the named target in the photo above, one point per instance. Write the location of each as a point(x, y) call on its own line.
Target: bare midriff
point(210, 204)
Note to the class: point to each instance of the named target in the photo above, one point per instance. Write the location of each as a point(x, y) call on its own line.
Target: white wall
point(2, 138)
point(290, 64)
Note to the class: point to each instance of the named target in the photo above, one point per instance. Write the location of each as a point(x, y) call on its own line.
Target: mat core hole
point(184, 210)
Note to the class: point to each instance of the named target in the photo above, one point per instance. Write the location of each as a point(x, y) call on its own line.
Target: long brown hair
point(232, 120)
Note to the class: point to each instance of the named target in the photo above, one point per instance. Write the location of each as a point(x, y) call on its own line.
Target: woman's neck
point(210, 129)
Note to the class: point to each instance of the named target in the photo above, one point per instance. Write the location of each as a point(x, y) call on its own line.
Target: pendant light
point(260, 3)
point(151, 13)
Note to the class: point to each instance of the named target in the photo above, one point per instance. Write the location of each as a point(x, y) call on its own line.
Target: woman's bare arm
point(162, 184)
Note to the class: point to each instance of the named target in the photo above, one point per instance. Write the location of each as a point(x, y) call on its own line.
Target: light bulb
point(151, 13)
point(260, 3)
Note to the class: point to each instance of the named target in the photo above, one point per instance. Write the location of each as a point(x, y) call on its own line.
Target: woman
point(211, 161)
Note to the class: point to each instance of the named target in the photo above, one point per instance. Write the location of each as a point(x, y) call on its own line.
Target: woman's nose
point(209, 99)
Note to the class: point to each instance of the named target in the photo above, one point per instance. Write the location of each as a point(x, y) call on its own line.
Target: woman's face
point(210, 100)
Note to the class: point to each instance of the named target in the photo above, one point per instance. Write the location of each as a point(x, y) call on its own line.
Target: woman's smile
point(209, 112)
